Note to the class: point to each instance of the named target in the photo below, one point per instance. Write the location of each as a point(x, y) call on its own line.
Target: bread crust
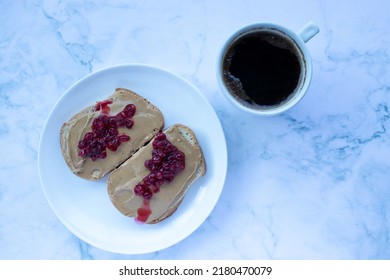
point(68, 147)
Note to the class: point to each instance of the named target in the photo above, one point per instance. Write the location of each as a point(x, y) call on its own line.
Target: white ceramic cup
point(298, 39)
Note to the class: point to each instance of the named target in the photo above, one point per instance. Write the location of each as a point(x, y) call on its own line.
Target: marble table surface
point(311, 183)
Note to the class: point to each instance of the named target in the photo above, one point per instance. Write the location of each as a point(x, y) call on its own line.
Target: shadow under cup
point(264, 69)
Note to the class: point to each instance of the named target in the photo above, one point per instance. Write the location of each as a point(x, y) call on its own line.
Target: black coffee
point(262, 68)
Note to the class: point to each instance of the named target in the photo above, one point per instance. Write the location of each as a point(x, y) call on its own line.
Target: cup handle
point(308, 31)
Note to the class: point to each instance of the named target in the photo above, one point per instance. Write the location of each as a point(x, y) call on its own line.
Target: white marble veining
point(313, 183)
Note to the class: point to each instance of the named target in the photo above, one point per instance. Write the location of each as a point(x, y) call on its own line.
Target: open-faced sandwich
point(153, 182)
point(102, 136)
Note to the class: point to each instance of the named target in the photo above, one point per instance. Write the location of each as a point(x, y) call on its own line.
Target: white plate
point(85, 208)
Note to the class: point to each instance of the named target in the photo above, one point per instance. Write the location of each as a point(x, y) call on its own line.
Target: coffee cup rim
point(271, 111)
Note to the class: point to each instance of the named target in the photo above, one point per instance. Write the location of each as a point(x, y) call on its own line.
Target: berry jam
point(103, 105)
point(144, 211)
point(105, 133)
point(166, 162)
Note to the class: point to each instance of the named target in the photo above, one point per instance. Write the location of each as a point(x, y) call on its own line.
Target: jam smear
point(167, 161)
point(103, 106)
point(105, 133)
point(144, 211)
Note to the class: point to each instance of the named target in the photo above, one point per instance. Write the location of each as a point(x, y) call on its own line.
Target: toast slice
point(122, 182)
point(132, 131)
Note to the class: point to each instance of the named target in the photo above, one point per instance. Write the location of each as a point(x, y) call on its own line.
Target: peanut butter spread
point(121, 182)
point(147, 121)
